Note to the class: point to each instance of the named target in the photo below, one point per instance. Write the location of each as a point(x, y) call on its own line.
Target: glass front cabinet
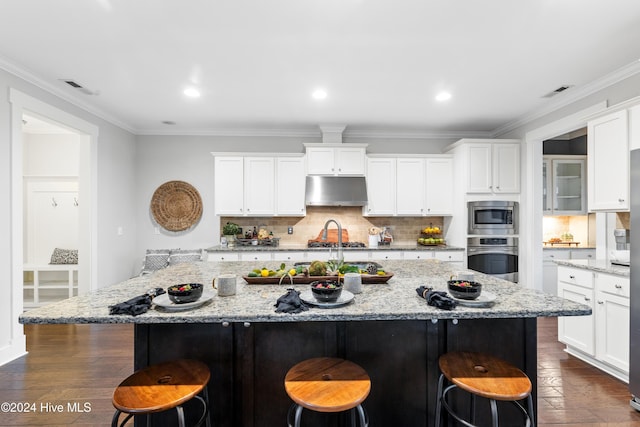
point(564, 185)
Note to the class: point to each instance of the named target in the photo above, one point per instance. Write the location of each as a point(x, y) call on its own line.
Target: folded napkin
point(290, 302)
point(437, 299)
point(137, 305)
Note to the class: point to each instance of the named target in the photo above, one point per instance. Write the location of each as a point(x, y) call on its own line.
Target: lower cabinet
point(601, 339)
point(249, 360)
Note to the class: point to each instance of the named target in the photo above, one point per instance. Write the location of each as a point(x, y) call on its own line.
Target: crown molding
point(312, 132)
point(31, 78)
point(570, 96)
point(391, 134)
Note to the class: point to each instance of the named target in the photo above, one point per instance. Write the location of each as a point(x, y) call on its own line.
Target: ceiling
point(257, 62)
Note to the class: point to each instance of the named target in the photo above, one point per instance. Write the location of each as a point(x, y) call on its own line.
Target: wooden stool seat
point(161, 387)
point(327, 384)
point(485, 375)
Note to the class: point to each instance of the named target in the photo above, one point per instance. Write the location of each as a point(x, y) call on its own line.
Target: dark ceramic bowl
point(464, 289)
point(188, 292)
point(326, 290)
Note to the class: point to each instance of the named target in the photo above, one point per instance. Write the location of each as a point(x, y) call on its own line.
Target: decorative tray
point(303, 280)
point(274, 241)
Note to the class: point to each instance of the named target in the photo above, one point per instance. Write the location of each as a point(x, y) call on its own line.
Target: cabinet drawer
point(418, 255)
point(449, 256)
point(386, 254)
point(550, 255)
point(288, 256)
point(256, 256)
point(575, 276)
point(611, 284)
point(222, 256)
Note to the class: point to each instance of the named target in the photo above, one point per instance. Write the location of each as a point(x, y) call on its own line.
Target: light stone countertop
point(395, 300)
point(299, 248)
point(598, 265)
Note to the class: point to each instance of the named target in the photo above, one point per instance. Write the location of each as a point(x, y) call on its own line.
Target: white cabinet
point(382, 254)
point(565, 183)
point(259, 186)
point(381, 186)
point(229, 185)
point(601, 339)
point(493, 168)
point(324, 159)
point(612, 320)
point(290, 186)
point(255, 256)
point(439, 186)
point(608, 162)
point(223, 256)
point(550, 268)
point(410, 186)
point(577, 331)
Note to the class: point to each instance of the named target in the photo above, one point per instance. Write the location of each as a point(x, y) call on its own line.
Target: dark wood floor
point(82, 364)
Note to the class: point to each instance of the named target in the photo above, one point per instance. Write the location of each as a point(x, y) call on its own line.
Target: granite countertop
point(395, 300)
point(598, 265)
point(297, 248)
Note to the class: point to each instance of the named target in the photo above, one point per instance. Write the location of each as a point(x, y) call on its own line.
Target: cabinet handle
point(618, 286)
point(621, 200)
point(600, 302)
point(497, 187)
point(454, 321)
point(552, 256)
point(587, 299)
point(247, 324)
point(225, 324)
point(572, 277)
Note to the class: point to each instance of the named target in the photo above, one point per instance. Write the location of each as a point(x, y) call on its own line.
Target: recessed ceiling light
point(319, 94)
point(192, 92)
point(443, 96)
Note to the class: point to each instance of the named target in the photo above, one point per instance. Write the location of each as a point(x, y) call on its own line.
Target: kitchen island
point(388, 329)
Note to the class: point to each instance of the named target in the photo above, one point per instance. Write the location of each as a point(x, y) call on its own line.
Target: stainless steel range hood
point(336, 191)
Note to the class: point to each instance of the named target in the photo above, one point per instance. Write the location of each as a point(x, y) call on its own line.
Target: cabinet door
point(608, 162)
point(506, 168)
point(228, 186)
point(259, 185)
point(577, 331)
point(350, 160)
point(381, 186)
point(320, 161)
point(439, 186)
point(290, 186)
point(612, 330)
point(479, 168)
point(569, 187)
point(410, 186)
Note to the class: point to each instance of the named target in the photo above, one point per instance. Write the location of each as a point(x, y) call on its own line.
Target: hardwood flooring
point(74, 365)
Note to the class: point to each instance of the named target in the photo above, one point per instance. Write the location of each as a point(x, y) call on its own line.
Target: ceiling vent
point(79, 87)
point(557, 91)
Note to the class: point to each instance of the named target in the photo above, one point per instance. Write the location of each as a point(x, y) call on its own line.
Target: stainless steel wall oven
point(497, 256)
point(493, 217)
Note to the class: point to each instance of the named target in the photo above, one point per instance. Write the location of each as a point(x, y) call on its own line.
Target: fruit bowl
point(464, 289)
point(187, 292)
point(326, 290)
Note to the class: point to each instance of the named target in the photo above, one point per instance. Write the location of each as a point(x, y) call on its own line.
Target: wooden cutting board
point(332, 236)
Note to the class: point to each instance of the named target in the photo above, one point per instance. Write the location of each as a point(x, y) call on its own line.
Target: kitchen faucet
point(324, 237)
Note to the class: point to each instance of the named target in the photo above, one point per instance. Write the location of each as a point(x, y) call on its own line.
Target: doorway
point(23, 104)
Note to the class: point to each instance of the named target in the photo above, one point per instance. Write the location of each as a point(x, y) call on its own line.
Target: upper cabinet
point(409, 186)
point(492, 166)
point(259, 185)
point(608, 162)
point(290, 183)
point(564, 185)
point(336, 159)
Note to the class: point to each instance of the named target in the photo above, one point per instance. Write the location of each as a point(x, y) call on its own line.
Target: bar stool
point(483, 375)
point(327, 384)
point(160, 387)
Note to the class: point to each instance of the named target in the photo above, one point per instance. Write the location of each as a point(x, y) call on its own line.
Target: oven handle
point(497, 250)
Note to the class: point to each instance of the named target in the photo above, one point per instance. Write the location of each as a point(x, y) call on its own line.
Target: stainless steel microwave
point(493, 217)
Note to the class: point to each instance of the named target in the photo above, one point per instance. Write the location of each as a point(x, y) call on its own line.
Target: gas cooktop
point(315, 244)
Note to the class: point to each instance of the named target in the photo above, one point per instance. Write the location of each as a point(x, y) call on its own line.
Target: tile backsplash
point(405, 230)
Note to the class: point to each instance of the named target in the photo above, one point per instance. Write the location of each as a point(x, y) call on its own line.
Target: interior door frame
point(531, 255)
point(22, 103)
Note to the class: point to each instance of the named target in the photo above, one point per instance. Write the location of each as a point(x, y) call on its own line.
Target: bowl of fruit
point(326, 290)
point(187, 292)
point(464, 289)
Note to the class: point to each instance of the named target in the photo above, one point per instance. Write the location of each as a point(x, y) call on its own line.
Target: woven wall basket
point(176, 205)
